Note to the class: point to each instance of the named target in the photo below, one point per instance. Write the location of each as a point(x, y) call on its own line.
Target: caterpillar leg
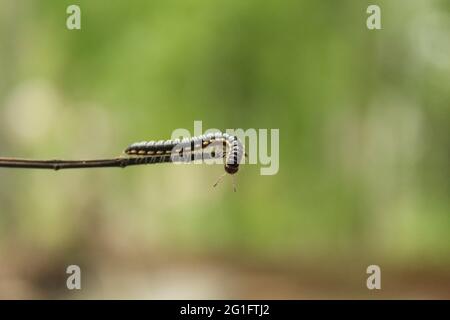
point(233, 177)
point(219, 180)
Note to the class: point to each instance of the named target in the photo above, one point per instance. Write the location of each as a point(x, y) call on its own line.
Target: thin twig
point(120, 162)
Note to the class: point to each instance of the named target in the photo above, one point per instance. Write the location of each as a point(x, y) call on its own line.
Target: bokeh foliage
point(363, 118)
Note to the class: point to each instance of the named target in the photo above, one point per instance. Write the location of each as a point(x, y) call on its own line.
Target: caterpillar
point(189, 148)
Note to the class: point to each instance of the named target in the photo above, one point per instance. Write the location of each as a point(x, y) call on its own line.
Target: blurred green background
point(364, 149)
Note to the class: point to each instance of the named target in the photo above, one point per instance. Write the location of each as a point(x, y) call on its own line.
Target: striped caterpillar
point(188, 149)
point(191, 149)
